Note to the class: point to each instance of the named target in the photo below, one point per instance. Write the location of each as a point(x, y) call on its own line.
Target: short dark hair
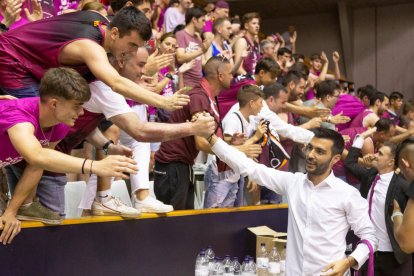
point(366, 91)
point(315, 56)
point(249, 17)
point(167, 35)
point(193, 12)
point(273, 90)
point(338, 143)
point(248, 93)
point(130, 19)
point(64, 83)
point(267, 65)
point(297, 56)
point(402, 147)
point(408, 106)
point(294, 76)
point(117, 5)
point(218, 22)
point(396, 95)
point(300, 67)
point(283, 51)
point(383, 124)
point(377, 96)
point(178, 28)
point(392, 146)
point(326, 88)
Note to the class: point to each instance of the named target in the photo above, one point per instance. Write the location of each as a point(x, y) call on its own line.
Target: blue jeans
point(221, 193)
point(50, 190)
point(24, 92)
point(269, 197)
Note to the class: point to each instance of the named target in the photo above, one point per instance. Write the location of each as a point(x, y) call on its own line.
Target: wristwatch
point(105, 147)
point(168, 75)
point(3, 28)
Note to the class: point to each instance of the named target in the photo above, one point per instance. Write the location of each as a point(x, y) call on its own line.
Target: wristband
point(83, 166)
point(106, 146)
point(396, 214)
point(168, 75)
point(3, 28)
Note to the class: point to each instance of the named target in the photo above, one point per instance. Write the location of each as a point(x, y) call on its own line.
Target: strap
point(371, 257)
point(240, 120)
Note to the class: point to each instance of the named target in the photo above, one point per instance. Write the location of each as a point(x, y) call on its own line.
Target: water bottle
point(210, 256)
point(218, 267)
point(283, 262)
point(236, 267)
point(227, 268)
point(274, 268)
point(201, 267)
point(253, 267)
point(245, 267)
point(262, 260)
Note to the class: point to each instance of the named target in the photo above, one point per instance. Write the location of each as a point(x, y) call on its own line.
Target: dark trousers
point(173, 184)
point(385, 264)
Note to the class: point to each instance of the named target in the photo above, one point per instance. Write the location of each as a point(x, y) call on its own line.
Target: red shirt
point(184, 149)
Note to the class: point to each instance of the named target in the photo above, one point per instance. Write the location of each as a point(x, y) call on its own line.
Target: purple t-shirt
point(190, 44)
point(24, 110)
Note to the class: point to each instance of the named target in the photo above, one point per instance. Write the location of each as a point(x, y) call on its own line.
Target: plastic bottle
point(218, 267)
point(227, 268)
point(253, 267)
point(201, 267)
point(236, 266)
point(245, 267)
point(283, 262)
point(262, 260)
point(210, 256)
point(274, 263)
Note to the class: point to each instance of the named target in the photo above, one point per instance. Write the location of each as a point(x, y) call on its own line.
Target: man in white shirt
point(322, 208)
point(176, 16)
point(380, 185)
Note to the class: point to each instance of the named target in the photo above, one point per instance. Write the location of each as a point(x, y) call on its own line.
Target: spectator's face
point(286, 58)
point(256, 106)
point(316, 64)
point(134, 67)
point(226, 30)
point(145, 7)
point(406, 164)
point(221, 12)
point(383, 158)
point(397, 104)
point(186, 4)
point(169, 45)
point(225, 76)
point(384, 106)
point(124, 45)
point(278, 105)
point(209, 8)
point(199, 23)
point(332, 99)
point(381, 136)
point(253, 26)
point(298, 90)
point(269, 50)
point(235, 28)
point(319, 157)
point(266, 78)
point(67, 111)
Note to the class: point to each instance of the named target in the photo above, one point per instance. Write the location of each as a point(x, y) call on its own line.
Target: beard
point(313, 168)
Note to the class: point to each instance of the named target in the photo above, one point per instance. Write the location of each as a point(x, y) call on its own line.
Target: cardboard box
point(270, 237)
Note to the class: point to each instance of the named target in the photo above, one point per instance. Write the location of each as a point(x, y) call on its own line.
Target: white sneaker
point(152, 205)
point(113, 207)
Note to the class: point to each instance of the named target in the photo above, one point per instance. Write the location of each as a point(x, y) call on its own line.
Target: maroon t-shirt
point(34, 48)
point(184, 149)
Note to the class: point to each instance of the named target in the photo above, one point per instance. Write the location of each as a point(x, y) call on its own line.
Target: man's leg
point(219, 193)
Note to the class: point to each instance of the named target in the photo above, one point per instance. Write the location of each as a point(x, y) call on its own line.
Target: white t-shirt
point(232, 124)
point(172, 18)
point(104, 100)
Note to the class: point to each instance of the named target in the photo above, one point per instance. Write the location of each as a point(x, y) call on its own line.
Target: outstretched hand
point(37, 13)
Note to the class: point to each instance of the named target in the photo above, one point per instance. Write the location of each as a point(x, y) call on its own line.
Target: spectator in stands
point(31, 128)
point(176, 15)
point(336, 206)
point(224, 188)
point(404, 223)
point(221, 10)
point(378, 104)
point(251, 25)
point(190, 45)
point(407, 117)
point(268, 50)
point(297, 57)
point(173, 162)
point(95, 6)
point(284, 59)
point(82, 49)
point(380, 185)
point(394, 110)
point(159, 9)
point(319, 70)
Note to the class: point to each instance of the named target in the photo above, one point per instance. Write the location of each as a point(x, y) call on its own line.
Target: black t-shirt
point(410, 191)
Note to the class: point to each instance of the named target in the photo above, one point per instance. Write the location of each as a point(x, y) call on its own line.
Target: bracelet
point(105, 147)
point(396, 214)
point(83, 166)
point(90, 170)
point(169, 76)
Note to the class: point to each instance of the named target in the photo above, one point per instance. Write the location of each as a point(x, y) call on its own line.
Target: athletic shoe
point(113, 207)
point(152, 205)
point(37, 212)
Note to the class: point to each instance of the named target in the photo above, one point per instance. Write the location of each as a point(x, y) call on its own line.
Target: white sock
point(103, 196)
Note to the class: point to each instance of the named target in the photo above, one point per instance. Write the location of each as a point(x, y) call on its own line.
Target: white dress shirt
point(319, 216)
point(297, 134)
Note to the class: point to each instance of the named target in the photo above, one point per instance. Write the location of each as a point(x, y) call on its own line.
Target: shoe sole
point(103, 213)
point(143, 210)
point(45, 221)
